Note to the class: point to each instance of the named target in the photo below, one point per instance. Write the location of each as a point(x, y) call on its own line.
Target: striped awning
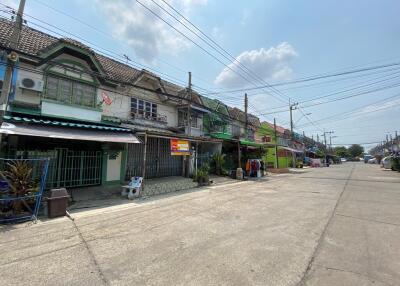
point(60, 131)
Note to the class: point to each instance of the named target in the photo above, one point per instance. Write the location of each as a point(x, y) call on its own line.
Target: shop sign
point(180, 147)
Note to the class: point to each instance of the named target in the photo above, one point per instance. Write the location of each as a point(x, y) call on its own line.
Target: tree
point(356, 150)
point(342, 152)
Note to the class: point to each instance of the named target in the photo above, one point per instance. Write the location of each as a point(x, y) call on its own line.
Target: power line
point(110, 36)
point(101, 50)
point(235, 61)
point(357, 86)
point(337, 115)
point(196, 44)
point(344, 97)
point(312, 78)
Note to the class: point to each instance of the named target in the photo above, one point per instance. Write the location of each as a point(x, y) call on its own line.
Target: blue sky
point(278, 40)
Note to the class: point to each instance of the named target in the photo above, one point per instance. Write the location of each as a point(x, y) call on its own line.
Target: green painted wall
point(284, 162)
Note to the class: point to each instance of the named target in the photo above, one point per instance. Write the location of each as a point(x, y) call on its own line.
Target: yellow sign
point(180, 147)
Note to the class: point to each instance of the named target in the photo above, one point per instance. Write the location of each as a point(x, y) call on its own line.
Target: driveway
point(330, 226)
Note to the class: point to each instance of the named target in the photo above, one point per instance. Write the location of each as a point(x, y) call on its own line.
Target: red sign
point(106, 99)
point(180, 147)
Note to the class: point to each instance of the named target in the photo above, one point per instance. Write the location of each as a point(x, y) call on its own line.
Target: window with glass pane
point(133, 105)
point(78, 94)
point(51, 88)
point(154, 110)
point(70, 91)
point(148, 109)
point(140, 107)
point(143, 107)
point(65, 90)
point(89, 95)
point(193, 120)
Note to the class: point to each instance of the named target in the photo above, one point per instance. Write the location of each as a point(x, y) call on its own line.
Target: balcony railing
point(150, 116)
point(184, 123)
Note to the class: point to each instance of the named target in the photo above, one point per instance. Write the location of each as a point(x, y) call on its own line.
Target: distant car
point(343, 160)
point(367, 157)
point(387, 162)
point(372, 161)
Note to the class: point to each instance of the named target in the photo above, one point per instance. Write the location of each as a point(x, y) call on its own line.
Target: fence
point(68, 168)
point(22, 182)
point(159, 161)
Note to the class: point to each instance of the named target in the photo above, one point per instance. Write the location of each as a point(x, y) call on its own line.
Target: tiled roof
point(240, 115)
point(279, 129)
point(33, 42)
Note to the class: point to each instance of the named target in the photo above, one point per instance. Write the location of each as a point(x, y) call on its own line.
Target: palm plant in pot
point(202, 175)
point(219, 161)
point(18, 176)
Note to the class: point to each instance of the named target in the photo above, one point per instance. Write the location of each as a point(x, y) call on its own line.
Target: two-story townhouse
point(277, 156)
point(242, 146)
point(81, 108)
point(287, 148)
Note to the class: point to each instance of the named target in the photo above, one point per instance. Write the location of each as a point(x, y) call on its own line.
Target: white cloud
point(269, 64)
point(142, 31)
point(378, 108)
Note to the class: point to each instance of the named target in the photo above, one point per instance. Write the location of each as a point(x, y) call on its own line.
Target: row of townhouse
point(101, 121)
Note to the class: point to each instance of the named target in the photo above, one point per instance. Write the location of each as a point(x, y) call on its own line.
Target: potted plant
point(18, 178)
point(202, 175)
point(219, 161)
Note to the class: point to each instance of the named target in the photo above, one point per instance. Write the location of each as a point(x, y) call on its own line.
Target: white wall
point(114, 168)
point(55, 109)
point(120, 106)
point(171, 112)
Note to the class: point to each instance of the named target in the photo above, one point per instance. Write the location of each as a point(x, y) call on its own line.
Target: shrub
point(219, 161)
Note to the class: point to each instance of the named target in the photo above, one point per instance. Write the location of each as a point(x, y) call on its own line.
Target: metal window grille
point(69, 168)
point(159, 161)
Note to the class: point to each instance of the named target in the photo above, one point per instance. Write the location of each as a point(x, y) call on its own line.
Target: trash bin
point(57, 202)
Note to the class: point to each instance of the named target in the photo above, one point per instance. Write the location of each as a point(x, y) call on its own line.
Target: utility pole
point(317, 138)
point(276, 146)
point(291, 108)
point(246, 103)
point(189, 96)
point(330, 133)
point(12, 58)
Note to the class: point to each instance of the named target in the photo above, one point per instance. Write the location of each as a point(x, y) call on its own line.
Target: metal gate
point(69, 168)
point(159, 161)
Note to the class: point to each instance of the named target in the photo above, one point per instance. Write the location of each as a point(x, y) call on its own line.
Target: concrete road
point(328, 226)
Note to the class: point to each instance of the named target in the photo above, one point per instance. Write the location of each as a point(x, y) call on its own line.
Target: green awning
point(251, 143)
point(220, 135)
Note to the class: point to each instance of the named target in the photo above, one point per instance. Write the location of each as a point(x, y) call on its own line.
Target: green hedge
point(396, 163)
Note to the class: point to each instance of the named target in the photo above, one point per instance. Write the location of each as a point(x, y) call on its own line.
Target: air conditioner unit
point(32, 84)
